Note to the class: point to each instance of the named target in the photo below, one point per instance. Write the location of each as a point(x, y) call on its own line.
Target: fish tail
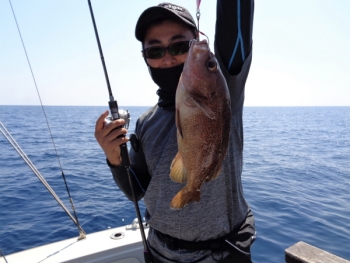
point(184, 197)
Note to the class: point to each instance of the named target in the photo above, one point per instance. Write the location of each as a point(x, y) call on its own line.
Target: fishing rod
point(119, 114)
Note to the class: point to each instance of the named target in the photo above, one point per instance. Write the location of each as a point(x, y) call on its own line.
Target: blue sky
point(300, 52)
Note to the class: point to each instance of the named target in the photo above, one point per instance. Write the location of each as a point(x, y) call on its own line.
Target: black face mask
point(167, 80)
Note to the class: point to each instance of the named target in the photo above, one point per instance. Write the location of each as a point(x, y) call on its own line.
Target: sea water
point(296, 177)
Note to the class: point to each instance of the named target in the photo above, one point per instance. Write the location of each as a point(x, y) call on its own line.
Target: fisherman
point(220, 227)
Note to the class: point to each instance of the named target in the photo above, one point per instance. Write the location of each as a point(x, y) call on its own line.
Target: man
point(220, 227)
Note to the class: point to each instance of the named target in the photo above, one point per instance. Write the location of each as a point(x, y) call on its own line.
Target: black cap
point(162, 11)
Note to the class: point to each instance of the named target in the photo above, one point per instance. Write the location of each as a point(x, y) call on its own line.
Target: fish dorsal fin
point(177, 170)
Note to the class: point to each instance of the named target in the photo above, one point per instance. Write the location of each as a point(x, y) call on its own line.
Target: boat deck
point(116, 245)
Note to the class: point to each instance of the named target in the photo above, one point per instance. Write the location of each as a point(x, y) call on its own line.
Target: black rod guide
point(113, 105)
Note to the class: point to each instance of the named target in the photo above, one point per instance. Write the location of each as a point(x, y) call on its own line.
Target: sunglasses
point(177, 48)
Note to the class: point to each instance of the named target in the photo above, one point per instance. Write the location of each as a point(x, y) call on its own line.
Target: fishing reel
point(125, 115)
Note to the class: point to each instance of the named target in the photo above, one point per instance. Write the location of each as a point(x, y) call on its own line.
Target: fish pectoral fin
point(198, 101)
point(177, 170)
point(206, 109)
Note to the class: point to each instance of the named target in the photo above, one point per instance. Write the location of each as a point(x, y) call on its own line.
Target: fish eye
point(212, 65)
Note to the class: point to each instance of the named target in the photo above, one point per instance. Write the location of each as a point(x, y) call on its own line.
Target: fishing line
point(47, 122)
point(198, 15)
point(22, 154)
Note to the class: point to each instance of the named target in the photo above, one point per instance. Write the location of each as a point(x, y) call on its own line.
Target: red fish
point(203, 116)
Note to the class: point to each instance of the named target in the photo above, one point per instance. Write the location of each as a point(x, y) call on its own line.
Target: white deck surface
point(98, 247)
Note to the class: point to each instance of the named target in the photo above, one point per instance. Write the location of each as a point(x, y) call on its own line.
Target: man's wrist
point(114, 164)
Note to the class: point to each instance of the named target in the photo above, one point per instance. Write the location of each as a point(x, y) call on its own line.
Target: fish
point(203, 114)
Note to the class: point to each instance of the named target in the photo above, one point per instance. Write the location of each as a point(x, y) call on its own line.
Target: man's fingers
point(100, 122)
point(118, 141)
point(113, 135)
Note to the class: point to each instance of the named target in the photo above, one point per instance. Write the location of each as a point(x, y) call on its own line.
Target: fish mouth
point(203, 44)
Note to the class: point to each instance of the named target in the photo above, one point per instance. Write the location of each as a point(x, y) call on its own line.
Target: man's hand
point(107, 137)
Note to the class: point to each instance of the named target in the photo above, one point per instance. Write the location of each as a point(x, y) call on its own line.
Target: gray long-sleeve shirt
point(222, 207)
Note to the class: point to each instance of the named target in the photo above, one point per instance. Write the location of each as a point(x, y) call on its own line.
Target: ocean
point(296, 177)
